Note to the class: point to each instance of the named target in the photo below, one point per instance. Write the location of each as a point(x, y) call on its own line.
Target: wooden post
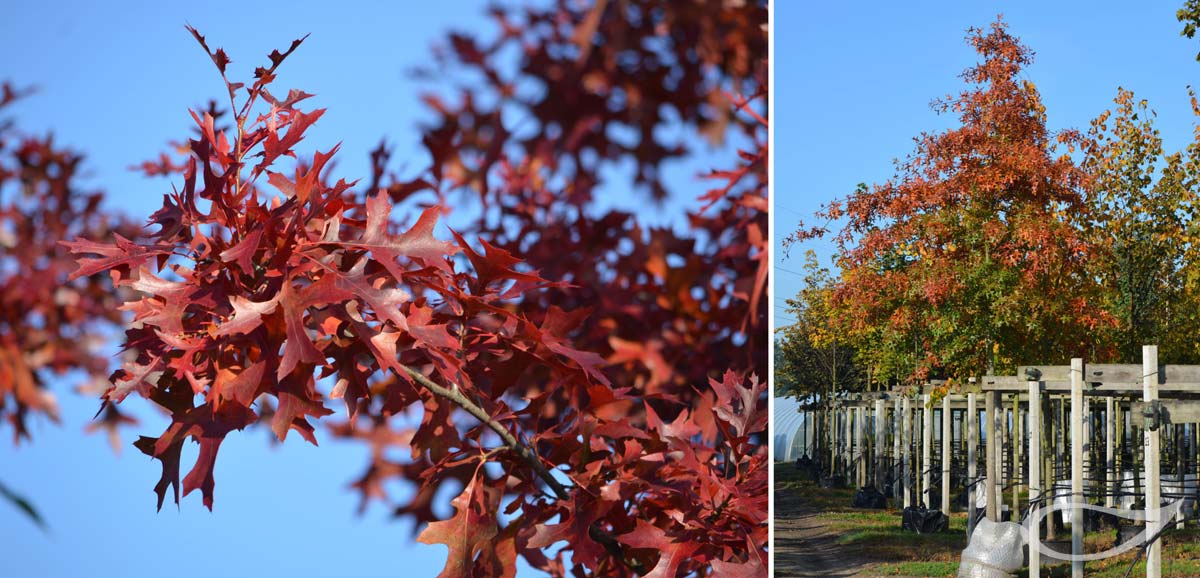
point(1017, 439)
point(1153, 497)
point(990, 458)
point(880, 470)
point(927, 451)
point(860, 456)
point(897, 463)
point(833, 439)
point(906, 431)
point(1138, 466)
point(1077, 446)
point(809, 428)
point(848, 448)
point(972, 459)
point(1001, 429)
point(1119, 451)
point(1180, 470)
point(1110, 460)
point(946, 446)
point(1050, 462)
point(1035, 474)
point(1089, 433)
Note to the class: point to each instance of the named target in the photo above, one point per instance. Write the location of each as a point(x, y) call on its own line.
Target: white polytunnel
point(789, 440)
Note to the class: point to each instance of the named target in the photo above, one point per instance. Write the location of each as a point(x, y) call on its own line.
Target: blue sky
point(115, 82)
point(854, 81)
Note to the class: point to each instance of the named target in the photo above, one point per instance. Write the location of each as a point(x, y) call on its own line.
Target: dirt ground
point(806, 546)
point(809, 542)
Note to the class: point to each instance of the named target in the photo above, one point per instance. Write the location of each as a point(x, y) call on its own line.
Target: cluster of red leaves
point(47, 325)
point(610, 369)
point(669, 308)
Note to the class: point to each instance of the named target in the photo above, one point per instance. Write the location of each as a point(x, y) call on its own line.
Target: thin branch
point(602, 537)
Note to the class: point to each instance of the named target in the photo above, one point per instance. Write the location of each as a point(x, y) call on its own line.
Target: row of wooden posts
point(1034, 412)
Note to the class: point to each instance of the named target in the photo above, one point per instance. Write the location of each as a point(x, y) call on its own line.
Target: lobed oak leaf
point(681, 429)
point(295, 302)
point(741, 407)
point(672, 554)
point(121, 257)
point(470, 535)
point(384, 301)
point(169, 458)
point(247, 315)
point(206, 425)
point(752, 568)
point(418, 242)
point(239, 386)
point(134, 376)
point(243, 252)
point(495, 264)
point(275, 146)
point(296, 402)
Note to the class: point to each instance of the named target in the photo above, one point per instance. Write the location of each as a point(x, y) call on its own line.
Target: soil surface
point(806, 546)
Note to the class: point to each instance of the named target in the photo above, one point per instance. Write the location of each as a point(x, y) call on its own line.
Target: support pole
point(880, 471)
point(946, 447)
point(999, 424)
point(833, 441)
point(1017, 439)
point(1153, 497)
point(1077, 445)
point(1180, 469)
point(1110, 454)
point(898, 480)
point(1034, 416)
point(810, 449)
point(860, 456)
point(972, 459)
point(1053, 424)
point(990, 457)
point(848, 447)
point(926, 451)
point(906, 431)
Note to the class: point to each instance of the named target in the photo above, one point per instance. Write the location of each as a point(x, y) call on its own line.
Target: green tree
point(812, 358)
point(1136, 226)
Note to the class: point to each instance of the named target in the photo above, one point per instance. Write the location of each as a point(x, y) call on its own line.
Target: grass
point(1180, 557)
point(927, 569)
point(876, 535)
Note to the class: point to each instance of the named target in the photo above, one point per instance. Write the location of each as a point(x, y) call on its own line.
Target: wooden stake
point(906, 431)
point(1077, 446)
point(833, 440)
point(1153, 499)
point(860, 456)
point(1017, 438)
point(926, 451)
point(1035, 474)
point(880, 471)
point(1110, 460)
point(990, 457)
point(946, 446)
point(972, 459)
point(898, 482)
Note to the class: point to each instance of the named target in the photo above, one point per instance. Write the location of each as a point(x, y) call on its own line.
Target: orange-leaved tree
point(971, 258)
